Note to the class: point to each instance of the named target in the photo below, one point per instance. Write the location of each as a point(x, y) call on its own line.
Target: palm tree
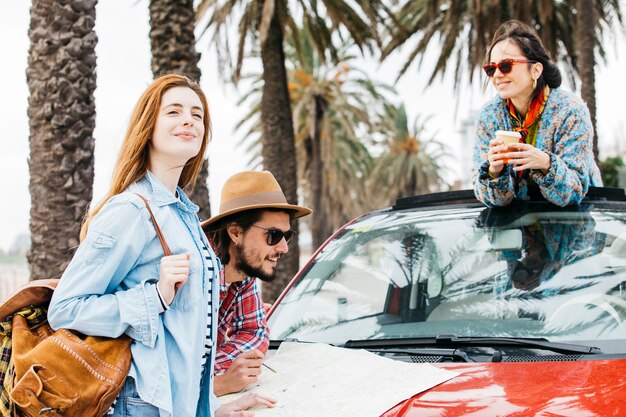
point(337, 110)
point(173, 45)
point(262, 24)
point(410, 164)
point(61, 78)
point(586, 35)
point(463, 31)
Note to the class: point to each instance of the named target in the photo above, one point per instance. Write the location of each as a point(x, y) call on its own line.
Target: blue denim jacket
point(109, 289)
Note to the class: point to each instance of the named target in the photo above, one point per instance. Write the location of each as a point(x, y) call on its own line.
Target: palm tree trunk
point(319, 223)
point(173, 45)
point(586, 35)
point(279, 155)
point(61, 79)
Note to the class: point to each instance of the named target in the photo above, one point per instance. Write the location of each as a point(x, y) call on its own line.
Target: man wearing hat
point(249, 235)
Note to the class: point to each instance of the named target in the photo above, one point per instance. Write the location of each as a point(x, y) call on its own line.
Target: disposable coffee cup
point(508, 137)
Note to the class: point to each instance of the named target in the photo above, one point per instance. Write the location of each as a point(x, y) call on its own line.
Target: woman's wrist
point(492, 175)
point(546, 166)
point(162, 301)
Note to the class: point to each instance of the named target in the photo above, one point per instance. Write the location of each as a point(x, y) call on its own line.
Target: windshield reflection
point(473, 272)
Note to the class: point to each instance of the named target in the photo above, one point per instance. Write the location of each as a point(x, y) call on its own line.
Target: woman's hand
point(239, 407)
point(524, 156)
point(174, 274)
point(496, 158)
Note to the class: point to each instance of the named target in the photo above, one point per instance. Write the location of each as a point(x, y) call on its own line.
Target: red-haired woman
point(120, 282)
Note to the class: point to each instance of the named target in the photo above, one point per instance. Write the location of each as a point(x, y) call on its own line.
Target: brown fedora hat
point(250, 190)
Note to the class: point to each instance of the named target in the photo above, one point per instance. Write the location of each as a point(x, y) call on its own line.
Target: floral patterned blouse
point(564, 132)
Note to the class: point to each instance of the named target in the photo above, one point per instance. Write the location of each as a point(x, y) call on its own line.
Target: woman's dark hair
point(218, 235)
point(532, 48)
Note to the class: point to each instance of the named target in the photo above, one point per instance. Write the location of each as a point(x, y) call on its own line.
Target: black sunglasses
point(274, 236)
point(505, 66)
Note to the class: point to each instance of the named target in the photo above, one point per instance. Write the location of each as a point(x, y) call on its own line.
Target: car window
point(540, 272)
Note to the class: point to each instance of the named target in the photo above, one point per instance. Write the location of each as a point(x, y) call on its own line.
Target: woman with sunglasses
point(555, 154)
point(119, 281)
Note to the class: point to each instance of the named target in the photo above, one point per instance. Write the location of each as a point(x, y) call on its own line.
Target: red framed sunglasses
point(505, 66)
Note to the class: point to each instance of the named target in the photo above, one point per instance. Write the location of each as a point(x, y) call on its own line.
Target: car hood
point(524, 389)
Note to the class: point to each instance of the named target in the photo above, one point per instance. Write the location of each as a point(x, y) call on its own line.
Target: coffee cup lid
point(508, 133)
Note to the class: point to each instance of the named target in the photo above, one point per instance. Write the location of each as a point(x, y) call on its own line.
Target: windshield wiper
point(540, 343)
point(455, 354)
point(454, 341)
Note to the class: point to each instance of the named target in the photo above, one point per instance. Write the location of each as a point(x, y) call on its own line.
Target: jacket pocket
point(95, 249)
point(190, 293)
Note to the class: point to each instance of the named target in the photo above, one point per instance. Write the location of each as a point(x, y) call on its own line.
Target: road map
point(318, 380)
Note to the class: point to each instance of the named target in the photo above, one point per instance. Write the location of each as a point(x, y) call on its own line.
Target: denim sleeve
point(93, 296)
point(490, 191)
point(569, 175)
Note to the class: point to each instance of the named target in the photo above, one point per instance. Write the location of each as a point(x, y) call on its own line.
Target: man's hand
point(242, 372)
point(239, 407)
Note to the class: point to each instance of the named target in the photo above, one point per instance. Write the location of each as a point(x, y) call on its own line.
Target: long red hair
point(132, 161)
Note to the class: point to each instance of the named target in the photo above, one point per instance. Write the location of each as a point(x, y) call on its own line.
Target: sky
point(123, 72)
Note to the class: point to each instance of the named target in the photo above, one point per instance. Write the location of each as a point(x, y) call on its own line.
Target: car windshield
point(527, 271)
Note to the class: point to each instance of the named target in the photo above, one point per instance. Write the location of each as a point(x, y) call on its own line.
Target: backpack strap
point(39, 292)
point(166, 248)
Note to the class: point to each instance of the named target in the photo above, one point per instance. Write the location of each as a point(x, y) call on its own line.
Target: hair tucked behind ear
point(132, 161)
point(218, 235)
point(528, 41)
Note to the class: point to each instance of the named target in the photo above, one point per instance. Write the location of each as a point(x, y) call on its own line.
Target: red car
point(527, 302)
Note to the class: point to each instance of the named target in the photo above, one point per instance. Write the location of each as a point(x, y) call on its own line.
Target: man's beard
point(244, 266)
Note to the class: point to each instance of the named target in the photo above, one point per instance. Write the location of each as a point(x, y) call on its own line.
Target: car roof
point(596, 198)
point(594, 195)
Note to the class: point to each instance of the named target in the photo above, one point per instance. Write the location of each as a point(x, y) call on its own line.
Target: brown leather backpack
point(63, 373)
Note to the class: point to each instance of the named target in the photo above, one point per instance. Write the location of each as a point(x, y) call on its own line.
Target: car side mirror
point(506, 239)
point(434, 286)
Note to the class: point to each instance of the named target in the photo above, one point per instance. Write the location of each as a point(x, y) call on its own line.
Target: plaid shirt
point(242, 325)
point(33, 316)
